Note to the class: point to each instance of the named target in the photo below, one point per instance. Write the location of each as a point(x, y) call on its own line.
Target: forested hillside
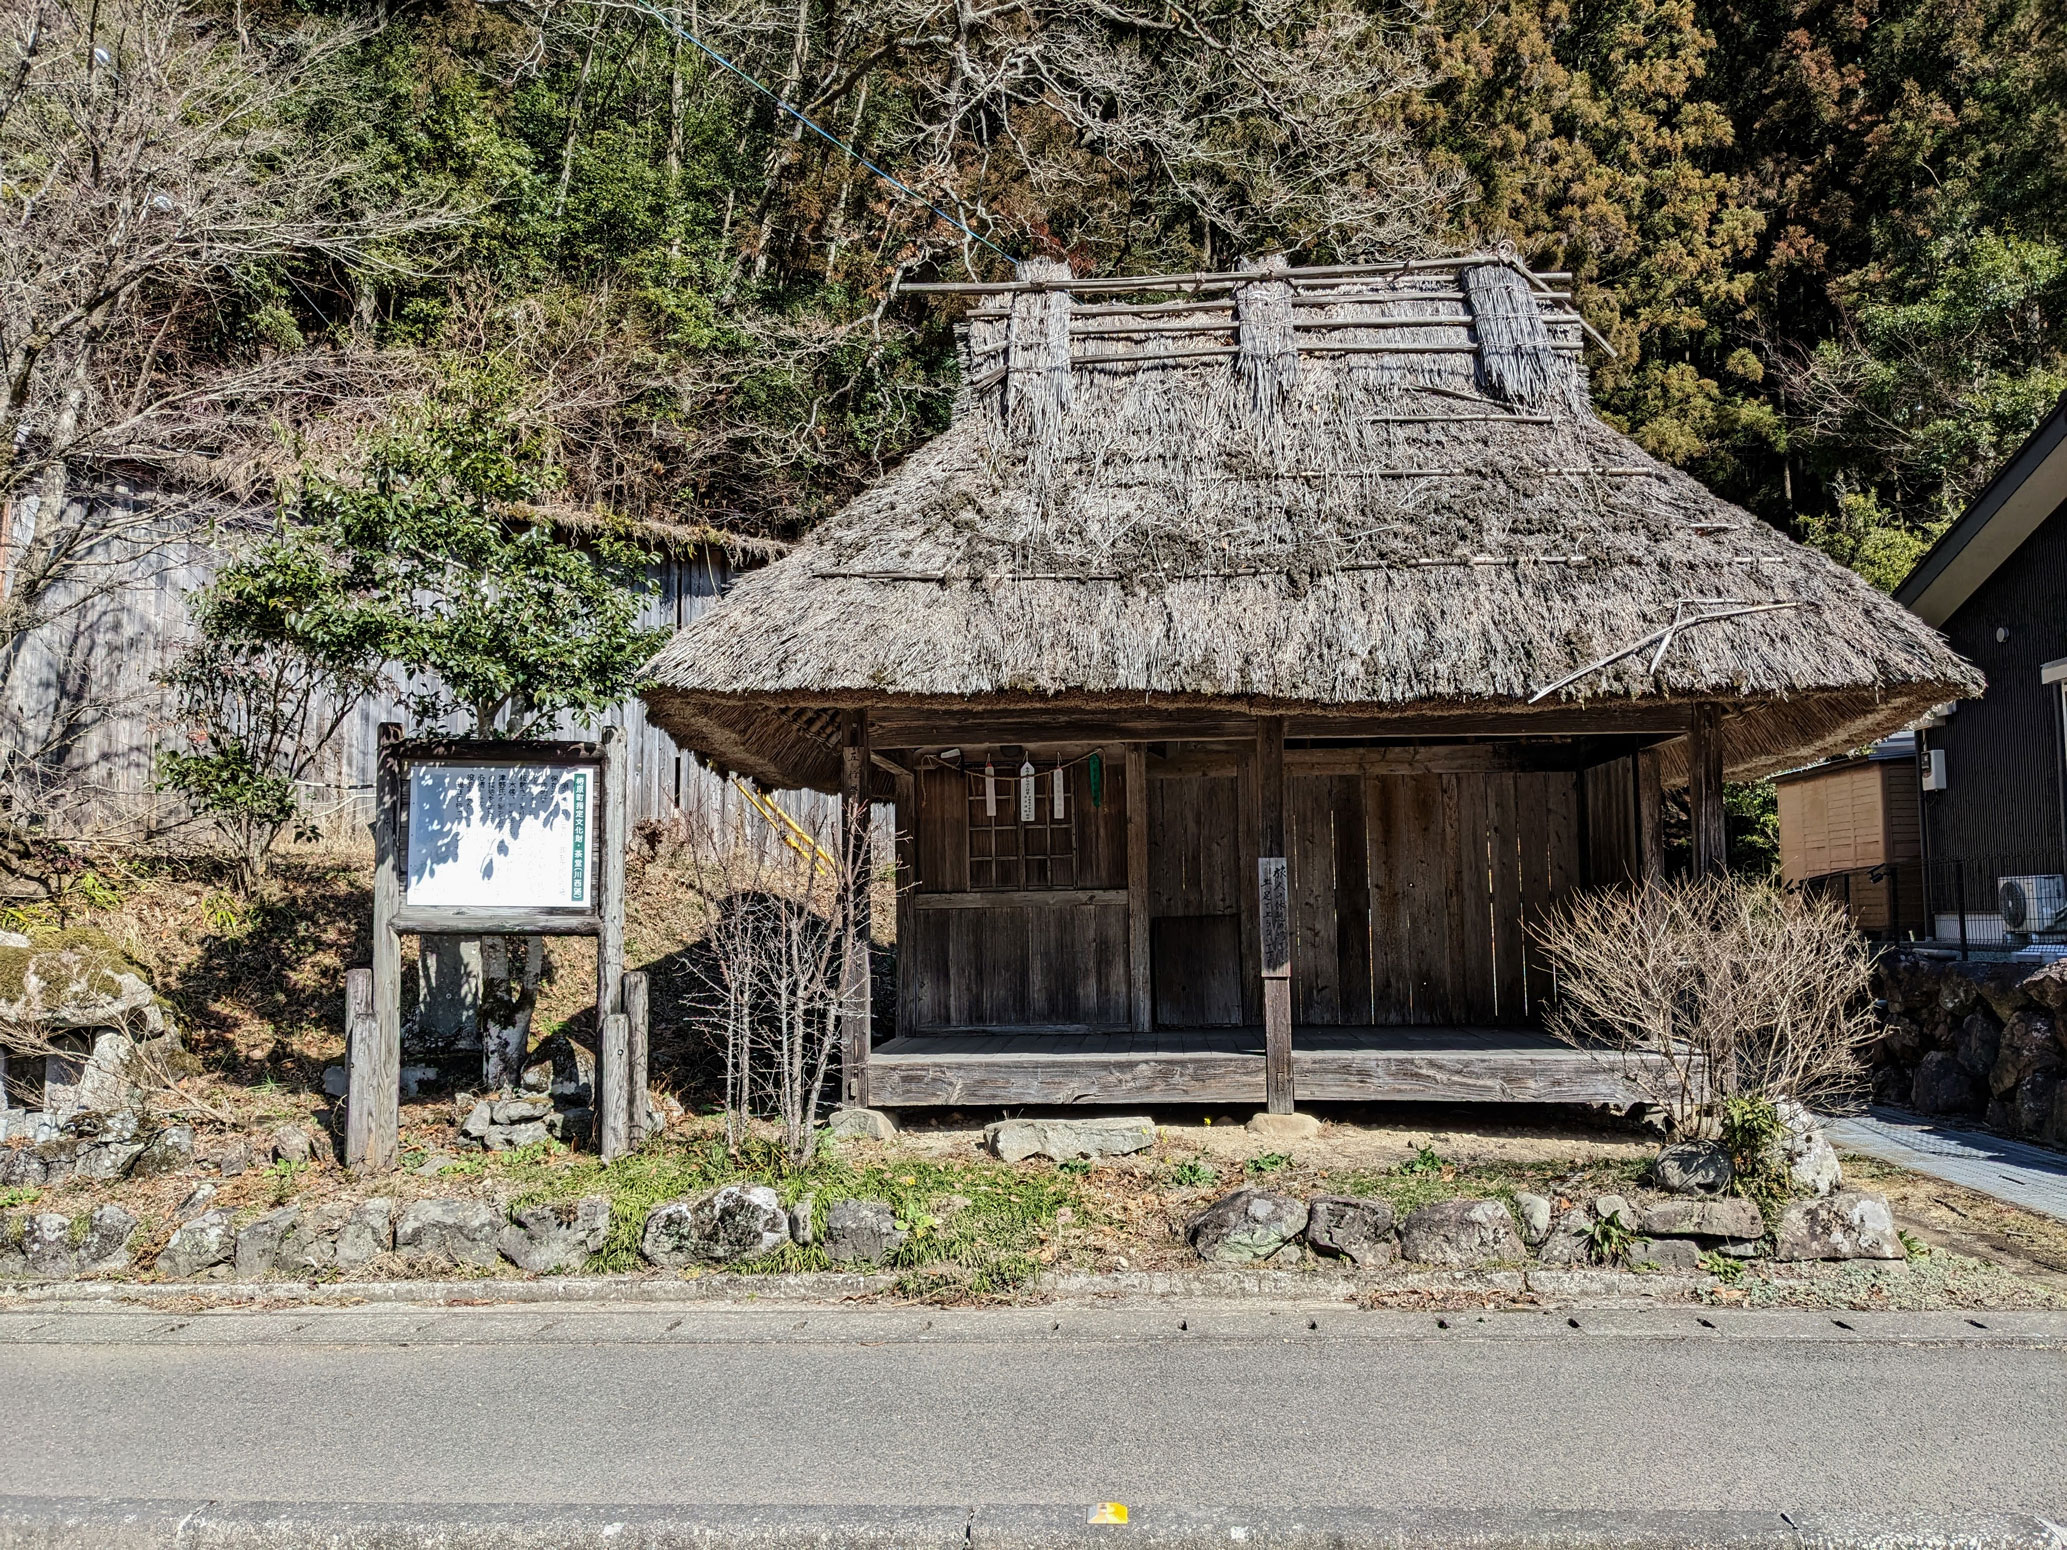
point(1824, 235)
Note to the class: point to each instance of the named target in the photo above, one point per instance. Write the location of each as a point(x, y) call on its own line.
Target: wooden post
point(612, 1107)
point(636, 1077)
point(1273, 915)
point(1705, 791)
point(612, 1058)
point(1140, 970)
point(373, 1052)
point(1650, 817)
point(856, 777)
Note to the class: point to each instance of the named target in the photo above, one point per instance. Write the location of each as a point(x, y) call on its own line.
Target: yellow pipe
point(793, 834)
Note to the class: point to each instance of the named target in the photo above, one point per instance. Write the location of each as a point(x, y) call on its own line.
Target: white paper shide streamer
point(990, 790)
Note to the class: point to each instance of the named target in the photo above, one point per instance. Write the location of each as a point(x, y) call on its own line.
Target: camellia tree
point(437, 565)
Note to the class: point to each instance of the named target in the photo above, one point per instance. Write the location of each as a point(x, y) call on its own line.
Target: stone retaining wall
point(1981, 1042)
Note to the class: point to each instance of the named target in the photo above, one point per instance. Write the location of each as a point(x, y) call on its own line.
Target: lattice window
point(1008, 852)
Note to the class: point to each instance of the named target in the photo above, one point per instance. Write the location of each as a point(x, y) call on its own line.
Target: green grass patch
point(975, 1227)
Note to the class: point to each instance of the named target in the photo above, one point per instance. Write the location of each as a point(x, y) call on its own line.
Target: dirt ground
point(254, 987)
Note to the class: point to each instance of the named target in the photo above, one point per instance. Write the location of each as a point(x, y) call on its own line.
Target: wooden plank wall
point(82, 712)
point(1414, 895)
point(1006, 961)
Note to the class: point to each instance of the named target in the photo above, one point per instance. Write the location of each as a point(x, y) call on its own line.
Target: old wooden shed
point(1253, 662)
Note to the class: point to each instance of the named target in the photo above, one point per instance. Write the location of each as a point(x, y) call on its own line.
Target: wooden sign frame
point(374, 1006)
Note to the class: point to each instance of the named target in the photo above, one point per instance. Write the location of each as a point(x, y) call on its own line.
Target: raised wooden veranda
point(1215, 1066)
point(1251, 910)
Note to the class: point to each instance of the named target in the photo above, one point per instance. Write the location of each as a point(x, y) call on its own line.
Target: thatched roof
point(1319, 490)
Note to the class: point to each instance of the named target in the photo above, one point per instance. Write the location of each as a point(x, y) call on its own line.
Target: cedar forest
point(1824, 236)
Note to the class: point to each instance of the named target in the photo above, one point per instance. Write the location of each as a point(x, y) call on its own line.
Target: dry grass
point(1385, 530)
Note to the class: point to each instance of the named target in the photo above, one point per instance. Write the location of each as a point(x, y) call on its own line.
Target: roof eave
point(2030, 488)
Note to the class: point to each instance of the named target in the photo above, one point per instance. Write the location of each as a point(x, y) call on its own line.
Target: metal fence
point(1950, 905)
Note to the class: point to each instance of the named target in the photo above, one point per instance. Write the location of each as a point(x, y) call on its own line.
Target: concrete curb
point(1554, 1288)
point(32, 1523)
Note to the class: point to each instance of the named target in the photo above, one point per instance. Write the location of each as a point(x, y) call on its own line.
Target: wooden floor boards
point(1225, 1065)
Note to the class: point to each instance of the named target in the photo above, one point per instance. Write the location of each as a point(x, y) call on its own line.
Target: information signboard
point(501, 836)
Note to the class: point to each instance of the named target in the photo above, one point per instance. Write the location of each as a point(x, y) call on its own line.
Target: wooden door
point(1195, 901)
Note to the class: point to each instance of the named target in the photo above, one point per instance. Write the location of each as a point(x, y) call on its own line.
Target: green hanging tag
point(1097, 779)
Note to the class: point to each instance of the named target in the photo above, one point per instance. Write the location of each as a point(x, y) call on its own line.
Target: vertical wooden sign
point(1274, 917)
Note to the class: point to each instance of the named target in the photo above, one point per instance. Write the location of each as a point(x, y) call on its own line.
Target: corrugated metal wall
point(82, 713)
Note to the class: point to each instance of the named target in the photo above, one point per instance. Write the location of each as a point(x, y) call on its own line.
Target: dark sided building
point(1996, 585)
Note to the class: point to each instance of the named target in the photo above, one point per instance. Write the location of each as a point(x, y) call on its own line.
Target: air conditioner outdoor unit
point(2032, 903)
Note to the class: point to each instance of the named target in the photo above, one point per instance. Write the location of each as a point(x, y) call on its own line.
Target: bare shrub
point(1702, 990)
point(772, 968)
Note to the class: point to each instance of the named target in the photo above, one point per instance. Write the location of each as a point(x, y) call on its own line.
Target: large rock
point(311, 1248)
point(2036, 1098)
point(1354, 1227)
point(291, 1144)
point(1249, 1225)
point(1980, 1041)
point(1570, 1241)
point(262, 1239)
point(1812, 1163)
point(1846, 1225)
point(1703, 1219)
point(461, 1232)
point(171, 1150)
point(1944, 1086)
point(1015, 1140)
point(46, 1244)
point(2004, 987)
point(1460, 1232)
point(2028, 1048)
point(2048, 986)
point(109, 1232)
point(861, 1232)
point(862, 1125)
point(1666, 1253)
point(367, 1234)
point(1534, 1212)
point(202, 1244)
point(546, 1239)
point(1694, 1168)
point(733, 1222)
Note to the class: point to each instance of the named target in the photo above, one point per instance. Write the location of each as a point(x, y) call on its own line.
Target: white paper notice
point(506, 836)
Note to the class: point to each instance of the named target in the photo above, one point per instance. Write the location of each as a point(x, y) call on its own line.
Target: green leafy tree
point(436, 565)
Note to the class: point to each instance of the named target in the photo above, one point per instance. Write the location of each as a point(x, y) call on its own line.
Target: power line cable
point(676, 29)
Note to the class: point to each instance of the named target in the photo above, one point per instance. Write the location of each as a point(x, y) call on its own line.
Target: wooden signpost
point(497, 839)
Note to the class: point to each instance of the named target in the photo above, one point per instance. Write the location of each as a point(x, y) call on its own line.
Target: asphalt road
point(1179, 1406)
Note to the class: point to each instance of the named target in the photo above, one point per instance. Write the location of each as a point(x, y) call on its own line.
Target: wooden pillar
point(373, 1029)
point(613, 1108)
point(1650, 816)
point(1140, 970)
point(636, 1058)
point(1273, 915)
point(855, 864)
point(1705, 791)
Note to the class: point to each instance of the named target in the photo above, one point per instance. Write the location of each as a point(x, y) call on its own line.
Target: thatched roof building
point(1268, 653)
point(1315, 489)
